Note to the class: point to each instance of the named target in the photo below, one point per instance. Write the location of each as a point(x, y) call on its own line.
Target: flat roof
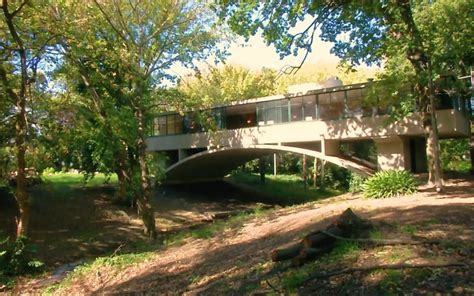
point(293, 95)
point(279, 97)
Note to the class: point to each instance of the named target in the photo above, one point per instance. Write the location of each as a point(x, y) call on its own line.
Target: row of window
point(324, 106)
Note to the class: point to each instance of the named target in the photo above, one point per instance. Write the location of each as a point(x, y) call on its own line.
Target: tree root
point(382, 242)
point(383, 266)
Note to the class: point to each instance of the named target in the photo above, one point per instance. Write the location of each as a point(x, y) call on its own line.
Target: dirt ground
point(203, 266)
point(88, 224)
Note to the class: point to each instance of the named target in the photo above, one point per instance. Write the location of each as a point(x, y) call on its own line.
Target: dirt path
point(196, 266)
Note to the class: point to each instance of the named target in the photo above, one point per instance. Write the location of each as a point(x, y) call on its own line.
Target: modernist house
point(321, 122)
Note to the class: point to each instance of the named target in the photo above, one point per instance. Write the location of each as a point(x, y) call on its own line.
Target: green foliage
point(408, 229)
point(17, 258)
point(344, 249)
point(284, 189)
point(390, 284)
point(294, 279)
point(336, 177)
point(356, 183)
point(317, 73)
point(454, 154)
point(61, 180)
point(227, 84)
point(389, 183)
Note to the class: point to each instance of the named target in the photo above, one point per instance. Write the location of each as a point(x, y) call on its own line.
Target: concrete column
point(275, 164)
point(392, 153)
point(182, 154)
point(330, 147)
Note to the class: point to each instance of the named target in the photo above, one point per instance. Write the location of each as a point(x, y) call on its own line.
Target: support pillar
point(182, 154)
point(275, 164)
point(305, 176)
point(315, 175)
point(393, 153)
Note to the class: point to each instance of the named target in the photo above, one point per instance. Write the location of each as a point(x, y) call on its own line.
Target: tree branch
point(386, 242)
point(19, 8)
point(111, 23)
point(382, 266)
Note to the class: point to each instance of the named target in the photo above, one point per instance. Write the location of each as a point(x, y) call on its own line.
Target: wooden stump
point(313, 245)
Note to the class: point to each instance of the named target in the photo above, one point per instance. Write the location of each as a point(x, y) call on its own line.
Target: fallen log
point(286, 253)
point(322, 238)
point(316, 243)
point(307, 254)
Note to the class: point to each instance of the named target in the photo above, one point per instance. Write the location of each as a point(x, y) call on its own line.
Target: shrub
point(356, 183)
point(16, 259)
point(336, 177)
point(389, 183)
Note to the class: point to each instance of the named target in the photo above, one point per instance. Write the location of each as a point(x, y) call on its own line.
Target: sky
point(256, 54)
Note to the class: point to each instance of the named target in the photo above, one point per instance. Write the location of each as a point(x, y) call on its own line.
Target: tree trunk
point(145, 208)
point(21, 194)
point(422, 64)
point(124, 178)
point(20, 99)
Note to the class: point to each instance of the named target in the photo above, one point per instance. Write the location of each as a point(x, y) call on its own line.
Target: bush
point(389, 183)
point(16, 258)
point(356, 183)
point(336, 177)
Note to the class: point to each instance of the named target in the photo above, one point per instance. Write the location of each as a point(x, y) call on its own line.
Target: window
point(331, 105)
point(296, 105)
point(162, 125)
point(191, 123)
point(324, 106)
point(309, 107)
point(354, 103)
point(272, 112)
point(170, 124)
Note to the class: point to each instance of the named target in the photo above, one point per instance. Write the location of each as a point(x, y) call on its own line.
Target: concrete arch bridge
point(214, 164)
point(323, 123)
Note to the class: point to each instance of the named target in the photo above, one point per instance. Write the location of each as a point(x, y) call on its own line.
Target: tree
point(22, 45)
point(227, 84)
point(362, 32)
point(120, 53)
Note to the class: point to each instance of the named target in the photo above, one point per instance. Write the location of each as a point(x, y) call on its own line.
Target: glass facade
point(334, 105)
point(272, 112)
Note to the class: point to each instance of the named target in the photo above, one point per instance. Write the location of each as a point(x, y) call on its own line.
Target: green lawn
point(75, 179)
point(284, 189)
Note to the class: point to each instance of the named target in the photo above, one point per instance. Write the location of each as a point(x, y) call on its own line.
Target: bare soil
point(228, 263)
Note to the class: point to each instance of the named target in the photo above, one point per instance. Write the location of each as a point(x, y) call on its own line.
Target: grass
point(391, 282)
point(408, 229)
point(284, 189)
point(62, 179)
point(142, 251)
point(114, 264)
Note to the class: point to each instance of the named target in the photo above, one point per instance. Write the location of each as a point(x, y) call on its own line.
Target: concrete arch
point(214, 164)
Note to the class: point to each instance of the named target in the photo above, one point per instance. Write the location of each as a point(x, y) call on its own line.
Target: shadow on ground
point(226, 268)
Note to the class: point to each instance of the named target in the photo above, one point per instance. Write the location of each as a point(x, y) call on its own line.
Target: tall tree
point(227, 84)
point(121, 52)
point(22, 45)
point(362, 31)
